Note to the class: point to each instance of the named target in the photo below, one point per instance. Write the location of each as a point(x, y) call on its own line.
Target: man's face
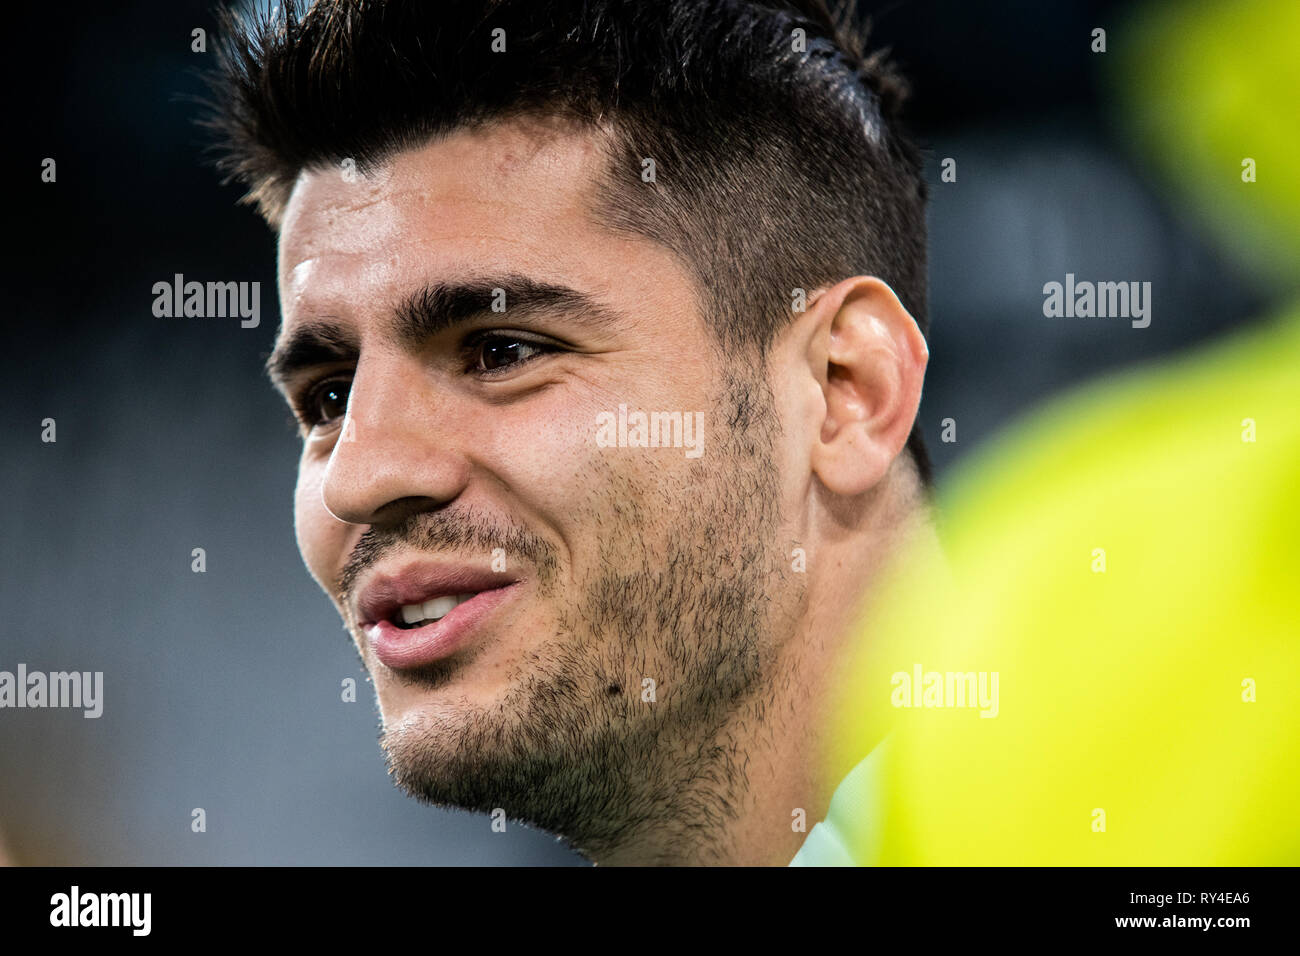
point(620, 598)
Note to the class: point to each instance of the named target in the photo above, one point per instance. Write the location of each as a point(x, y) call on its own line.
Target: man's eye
point(495, 353)
point(327, 402)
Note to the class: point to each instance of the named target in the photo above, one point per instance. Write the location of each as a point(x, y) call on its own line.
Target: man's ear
point(869, 358)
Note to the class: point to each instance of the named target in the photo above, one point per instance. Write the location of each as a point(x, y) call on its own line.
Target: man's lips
point(379, 610)
point(409, 648)
point(383, 596)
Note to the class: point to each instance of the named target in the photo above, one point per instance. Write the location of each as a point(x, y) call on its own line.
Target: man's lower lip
point(405, 648)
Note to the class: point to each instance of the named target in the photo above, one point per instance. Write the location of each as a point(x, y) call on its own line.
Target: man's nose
point(396, 451)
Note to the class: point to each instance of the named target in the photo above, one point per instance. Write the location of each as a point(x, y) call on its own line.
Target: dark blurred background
point(223, 688)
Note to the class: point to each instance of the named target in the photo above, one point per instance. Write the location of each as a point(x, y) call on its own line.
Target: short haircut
point(779, 159)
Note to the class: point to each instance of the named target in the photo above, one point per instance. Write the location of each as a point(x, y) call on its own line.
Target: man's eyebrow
point(318, 342)
point(439, 306)
point(432, 308)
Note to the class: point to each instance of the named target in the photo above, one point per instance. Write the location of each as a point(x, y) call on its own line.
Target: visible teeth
point(437, 607)
point(432, 610)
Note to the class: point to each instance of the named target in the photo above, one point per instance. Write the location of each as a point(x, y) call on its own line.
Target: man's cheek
point(542, 455)
point(320, 535)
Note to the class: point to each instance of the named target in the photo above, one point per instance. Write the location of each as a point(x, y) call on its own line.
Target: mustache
point(448, 532)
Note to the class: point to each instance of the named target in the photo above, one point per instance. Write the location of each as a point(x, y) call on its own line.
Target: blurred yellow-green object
point(1202, 86)
point(1129, 565)
point(1128, 562)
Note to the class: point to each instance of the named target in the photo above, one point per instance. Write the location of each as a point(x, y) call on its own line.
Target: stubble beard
point(583, 745)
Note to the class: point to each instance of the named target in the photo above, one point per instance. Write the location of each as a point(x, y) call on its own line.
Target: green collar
point(850, 834)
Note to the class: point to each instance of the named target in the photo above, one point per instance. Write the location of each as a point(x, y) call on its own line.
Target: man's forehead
point(519, 190)
point(512, 169)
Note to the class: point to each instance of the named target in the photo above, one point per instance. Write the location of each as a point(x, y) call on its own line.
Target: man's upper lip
point(383, 594)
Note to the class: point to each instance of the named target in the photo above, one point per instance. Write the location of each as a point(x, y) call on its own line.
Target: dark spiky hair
point(780, 163)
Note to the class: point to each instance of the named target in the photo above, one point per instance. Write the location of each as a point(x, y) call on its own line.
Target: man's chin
point(431, 715)
point(542, 773)
point(430, 742)
point(452, 753)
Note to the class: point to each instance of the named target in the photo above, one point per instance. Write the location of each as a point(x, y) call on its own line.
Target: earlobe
point(875, 358)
